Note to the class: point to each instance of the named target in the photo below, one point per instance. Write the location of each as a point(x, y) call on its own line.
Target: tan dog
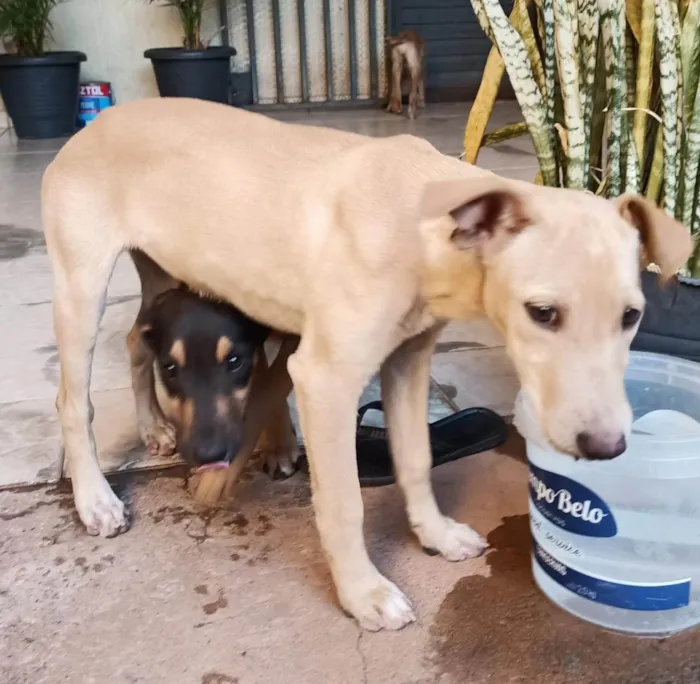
point(406, 58)
point(364, 247)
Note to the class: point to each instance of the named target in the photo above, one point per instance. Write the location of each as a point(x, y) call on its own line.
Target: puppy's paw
point(280, 465)
point(379, 604)
point(394, 107)
point(159, 437)
point(452, 540)
point(99, 508)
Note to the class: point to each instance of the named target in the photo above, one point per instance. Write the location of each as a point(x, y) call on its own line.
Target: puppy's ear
point(666, 242)
point(148, 335)
point(487, 212)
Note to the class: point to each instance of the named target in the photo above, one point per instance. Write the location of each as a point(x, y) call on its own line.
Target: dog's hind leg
point(414, 69)
point(82, 262)
point(156, 431)
point(405, 387)
point(396, 56)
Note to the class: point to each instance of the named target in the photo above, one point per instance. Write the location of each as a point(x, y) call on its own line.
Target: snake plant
point(609, 94)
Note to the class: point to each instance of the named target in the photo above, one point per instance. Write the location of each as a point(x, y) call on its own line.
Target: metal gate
point(308, 52)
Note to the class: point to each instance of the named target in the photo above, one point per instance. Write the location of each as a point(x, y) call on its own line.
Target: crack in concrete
point(360, 652)
point(6, 517)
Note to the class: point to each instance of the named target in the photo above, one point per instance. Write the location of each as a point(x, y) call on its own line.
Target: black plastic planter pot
point(41, 93)
point(204, 74)
point(671, 322)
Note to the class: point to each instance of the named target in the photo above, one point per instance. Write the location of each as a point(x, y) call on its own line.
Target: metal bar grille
point(311, 52)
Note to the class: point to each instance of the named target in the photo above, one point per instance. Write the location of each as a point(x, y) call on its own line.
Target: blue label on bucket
point(569, 505)
point(650, 596)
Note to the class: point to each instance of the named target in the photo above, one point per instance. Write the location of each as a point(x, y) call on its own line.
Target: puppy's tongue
point(208, 467)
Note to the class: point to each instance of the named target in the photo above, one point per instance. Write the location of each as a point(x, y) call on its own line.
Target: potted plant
point(40, 89)
point(609, 93)
point(196, 69)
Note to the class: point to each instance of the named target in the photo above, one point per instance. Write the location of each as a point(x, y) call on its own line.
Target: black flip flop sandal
point(464, 433)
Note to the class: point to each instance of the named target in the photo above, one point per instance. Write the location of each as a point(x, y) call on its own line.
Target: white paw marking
point(454, 541)
point(159, 438)
point(284, 462)
point(101, 511)
point(379, 605)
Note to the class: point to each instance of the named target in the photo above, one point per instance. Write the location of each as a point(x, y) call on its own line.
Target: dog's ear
point(486, 211)
point(148, 335)
point(666, 242)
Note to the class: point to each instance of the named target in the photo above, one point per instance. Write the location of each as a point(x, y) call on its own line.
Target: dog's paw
point(394, 107)
point(280, 465)
point(99, 508)
point(452, 540)
point(378, 605)
point(159, 437)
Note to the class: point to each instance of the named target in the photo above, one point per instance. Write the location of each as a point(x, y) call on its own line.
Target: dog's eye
point(630, 318)
point(233, 363)
point(170, 370)
point(546, 316)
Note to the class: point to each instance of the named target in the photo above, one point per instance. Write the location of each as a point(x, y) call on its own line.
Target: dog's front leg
point(405, 387)
point(328, 383)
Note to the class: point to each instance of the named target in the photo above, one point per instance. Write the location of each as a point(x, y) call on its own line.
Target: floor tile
point(477, 377)
point(29, 357)
point(30, 438)
point(463, 335)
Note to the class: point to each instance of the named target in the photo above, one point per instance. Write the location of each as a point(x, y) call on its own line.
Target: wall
point(114, 34)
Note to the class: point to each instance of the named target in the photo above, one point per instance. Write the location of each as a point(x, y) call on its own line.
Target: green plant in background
point(25, 25)
point(190, 13)
point(609, 93)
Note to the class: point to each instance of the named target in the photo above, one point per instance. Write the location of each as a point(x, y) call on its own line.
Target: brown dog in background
point(406, 67)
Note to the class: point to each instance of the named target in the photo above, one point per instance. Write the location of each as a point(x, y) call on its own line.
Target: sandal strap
point(370, 406)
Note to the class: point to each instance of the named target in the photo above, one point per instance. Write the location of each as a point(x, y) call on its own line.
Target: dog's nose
point(600, 447)
point(214, 454)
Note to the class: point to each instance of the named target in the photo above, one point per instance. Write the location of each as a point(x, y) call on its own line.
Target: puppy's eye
point(233, 363)
point(630, 318)
point(170, 370)
point(546, 316)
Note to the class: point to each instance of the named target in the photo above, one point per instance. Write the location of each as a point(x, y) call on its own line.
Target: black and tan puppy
point(205, 353)
point(213, 368)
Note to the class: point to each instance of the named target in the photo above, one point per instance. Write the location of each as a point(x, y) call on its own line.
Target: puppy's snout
point(215, 453)
point(600, 447)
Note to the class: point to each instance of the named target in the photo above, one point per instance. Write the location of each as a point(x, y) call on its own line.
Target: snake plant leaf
point(512, 48)
point(550, 64)
point(589, 22)
point(480, 113)
point(521, 21)
point(645, 66)
point(670, 82)
point(612, 23)
point(634, 11)
point(690, 56)
point(504, 134)
point(481, 110)
point(566, 49)
point(690, 171)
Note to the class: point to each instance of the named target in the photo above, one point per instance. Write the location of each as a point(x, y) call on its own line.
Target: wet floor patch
point(16, 242)
point(502, 629)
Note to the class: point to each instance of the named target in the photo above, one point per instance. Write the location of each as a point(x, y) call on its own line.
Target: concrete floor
point(242, 594)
